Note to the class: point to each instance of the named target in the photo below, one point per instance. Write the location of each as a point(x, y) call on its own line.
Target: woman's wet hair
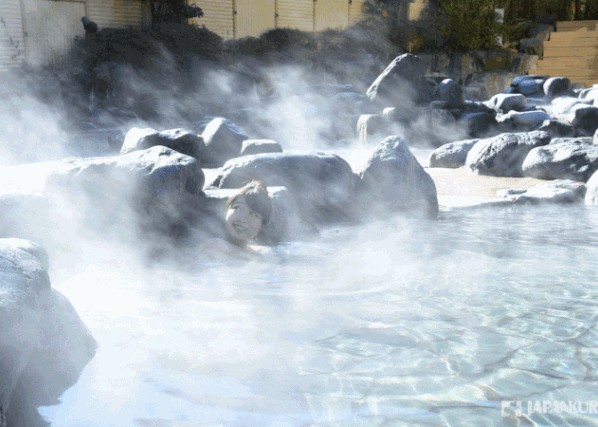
point(256, 197)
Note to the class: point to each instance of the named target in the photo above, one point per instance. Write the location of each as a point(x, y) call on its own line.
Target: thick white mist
point(390, 321)
point(30, 129)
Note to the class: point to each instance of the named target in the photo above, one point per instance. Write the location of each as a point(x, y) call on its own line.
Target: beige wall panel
point(253, 17)
point(118, 13)
point(218, 17)
point(355, 11)
point(331, 14)
point(51, 27)
point(297, 14)
point(12, 44)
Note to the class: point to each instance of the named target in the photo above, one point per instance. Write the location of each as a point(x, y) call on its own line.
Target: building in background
point(242, 18)
point(42, 31)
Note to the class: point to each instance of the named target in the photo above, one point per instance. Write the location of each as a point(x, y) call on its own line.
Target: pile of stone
point(540, 127)
point(552, 137)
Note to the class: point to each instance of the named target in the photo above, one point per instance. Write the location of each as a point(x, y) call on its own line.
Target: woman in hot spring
point(247, 211)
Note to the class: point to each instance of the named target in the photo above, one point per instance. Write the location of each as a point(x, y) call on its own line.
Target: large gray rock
point(589, 95)
point(223, 140)
point(563, 158)
point(452, 155)
point(528, 85)
point(557, 86)
point(322, 184)
point(394, 181)
point(147, 175)
point(558, 191)
point(142, 187)
point(557, 129)
point(260, 146)
point(592, 190)
point(586, 120)
point(44, 345)
point(503, 155)
point(505, 102)
point(157, 169)
point(181, 140)
point(527, 120)
point(450, 93)
point(477, 124)
point(402, 82)
point(475, 120)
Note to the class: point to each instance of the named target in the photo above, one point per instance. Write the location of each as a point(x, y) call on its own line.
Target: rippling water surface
point(388, 323)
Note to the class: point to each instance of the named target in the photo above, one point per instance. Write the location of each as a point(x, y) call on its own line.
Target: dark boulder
point(477, 124)
point(44, 345)
point(401, 83)
point(563, 158)
point(322, 184)
point(586, 120)
point(452, 155)
point(503, 155)
point(528, 85)
point(260, 146)
point(181, 140)
point(525, 121)
point(147, 188)
point(450, 93)
point(394, 181)
point(560, 191)
point(557, 129)
point(557, 86)
point(505, 102)
point(223, 140)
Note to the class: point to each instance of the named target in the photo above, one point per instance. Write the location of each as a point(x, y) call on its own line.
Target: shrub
point(468, 25)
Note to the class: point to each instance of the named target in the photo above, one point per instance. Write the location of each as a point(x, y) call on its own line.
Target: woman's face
point(242, 222)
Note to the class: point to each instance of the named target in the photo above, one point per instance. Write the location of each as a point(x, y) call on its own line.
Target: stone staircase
point(572, 51)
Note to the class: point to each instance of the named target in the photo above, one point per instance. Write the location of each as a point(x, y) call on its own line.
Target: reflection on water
point(390, 323)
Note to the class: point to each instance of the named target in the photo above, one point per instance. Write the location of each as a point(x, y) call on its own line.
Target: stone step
point(556, 51)
point(569, 61)
point(573, 35)
point(576, 25)
point(572, 52)
point(573, 42)
point(566, 72)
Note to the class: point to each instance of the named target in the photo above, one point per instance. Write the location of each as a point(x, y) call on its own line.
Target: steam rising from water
point(392, 320)
point(30, 129)
point(385, 322)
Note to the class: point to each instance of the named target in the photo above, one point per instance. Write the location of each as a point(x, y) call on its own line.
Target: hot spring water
point(387, 323)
